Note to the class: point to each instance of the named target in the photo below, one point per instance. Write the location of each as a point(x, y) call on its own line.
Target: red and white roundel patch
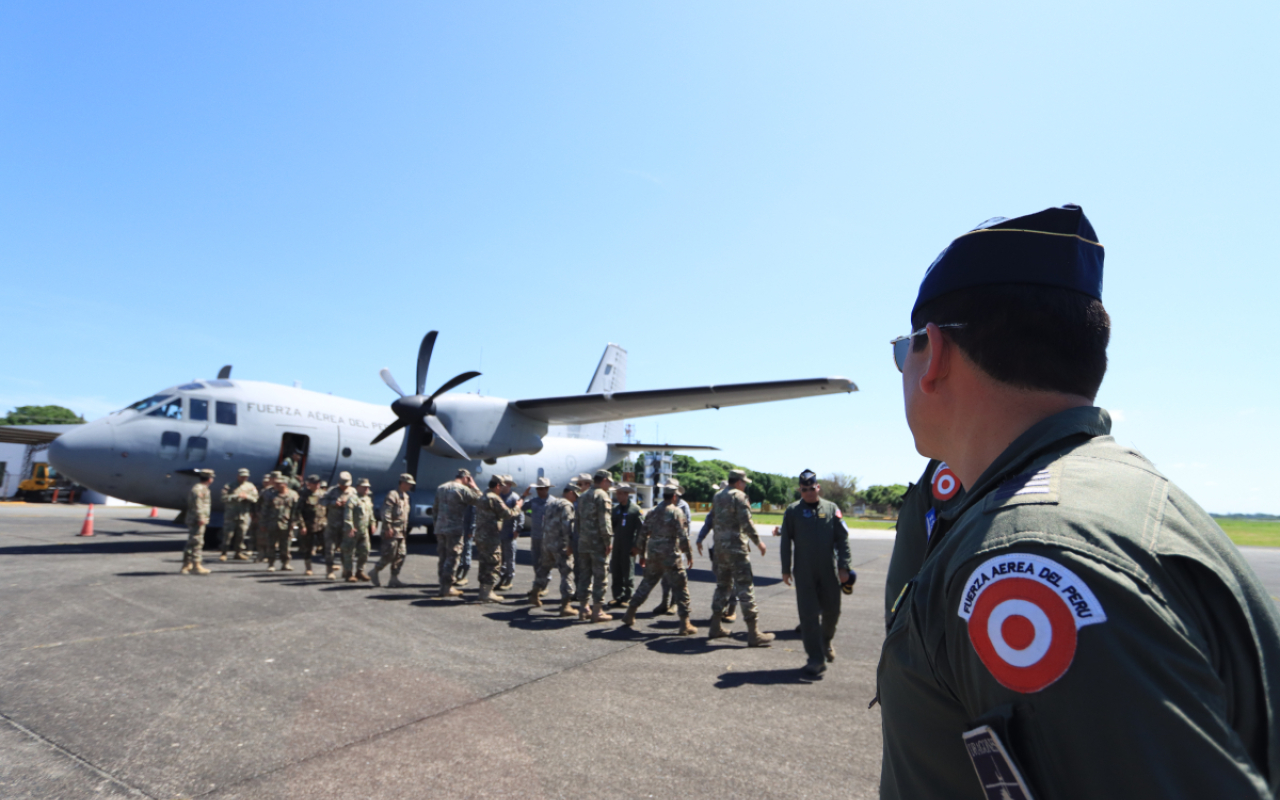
point(1023, 613)
point(945, 482)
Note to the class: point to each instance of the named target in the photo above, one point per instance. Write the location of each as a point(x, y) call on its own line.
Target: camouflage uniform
point(665, 608)
point(733, 527)
point(595, 536)
point(256, 532)
point(395, 519)
point(357, 522)
point(279, 507)
point(510, 531)
point(556, 551)
point(311, 522)
point(199, 506)
point(336, 503)
point(452, 500)
point(491, 511)
point(237, 503)
point(662, 539)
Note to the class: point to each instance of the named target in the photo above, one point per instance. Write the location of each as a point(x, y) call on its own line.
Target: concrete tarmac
point(123, 678)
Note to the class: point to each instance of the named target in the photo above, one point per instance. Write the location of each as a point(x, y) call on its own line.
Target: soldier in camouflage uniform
point(491, 512)
point(358, 522)
point(260, 541)
point(199, 506)
point(453, 499)
point(665, 606)
point(662, 539)
point(510, 532)
point(279, 507)
point(311, 524)
point(595, 542)
point(733, 560)
point(237, 510)
point(395, 521)
point(709, 526)
point(335, 503)
point(557, 550)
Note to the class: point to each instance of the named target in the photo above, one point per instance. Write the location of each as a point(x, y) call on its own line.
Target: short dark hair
point(1031, 337)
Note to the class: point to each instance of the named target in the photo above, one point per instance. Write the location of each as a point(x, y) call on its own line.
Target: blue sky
point(731, 191)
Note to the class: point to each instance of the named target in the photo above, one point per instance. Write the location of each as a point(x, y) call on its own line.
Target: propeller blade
point(413, 450)
point(424, 360)
point(224, 373)
point(390, 381)
point(457, 379)
point(437, 427)
point(387, 431)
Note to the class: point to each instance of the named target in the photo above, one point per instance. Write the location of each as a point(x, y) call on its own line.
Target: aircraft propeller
point(417, 412)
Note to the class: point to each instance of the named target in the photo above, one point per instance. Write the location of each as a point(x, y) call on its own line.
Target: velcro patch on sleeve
point(997, 773)
point(1040, 487)
point(1023, 612)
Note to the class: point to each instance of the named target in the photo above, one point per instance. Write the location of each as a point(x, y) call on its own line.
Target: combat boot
point(831, 653)
point(222, 557)
point(755, 638)
point(285, 566)
point(347, 576)
point(686, 628)
point(487, 595)
point(307, 564)
point(332, 574)
point(242, 556)
point(542, 592)
point(662, 610)
point(584, 613)
point(717, 630)
point(567, 609)
point(374, 577)
point(361, 576)
point(271, 565)
point(462, 580)
point(395, 583)
point(198, 569)
point(729, 617)
point(598, 615)
point(186, 566)
point(534, 599)
point(629, 619)
point(450, 592)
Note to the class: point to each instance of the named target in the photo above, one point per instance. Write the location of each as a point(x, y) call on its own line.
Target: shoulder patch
point(1029, 488)
point(1023, 612)
point(997, 773)
point(945, 484)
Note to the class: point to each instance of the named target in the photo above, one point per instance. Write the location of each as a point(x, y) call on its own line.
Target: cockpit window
point(154, 400)
point(226, 413)
point(199, 409)
point(221, 384)
point(170, 410)
point(191, 387)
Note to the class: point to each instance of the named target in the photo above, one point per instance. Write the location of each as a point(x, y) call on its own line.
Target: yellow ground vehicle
point(44, 483)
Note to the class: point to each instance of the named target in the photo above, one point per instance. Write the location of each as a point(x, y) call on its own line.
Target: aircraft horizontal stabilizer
point(581, 409)
point(659, 447)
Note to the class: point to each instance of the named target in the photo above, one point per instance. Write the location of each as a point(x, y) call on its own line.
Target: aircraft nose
point(84, 454)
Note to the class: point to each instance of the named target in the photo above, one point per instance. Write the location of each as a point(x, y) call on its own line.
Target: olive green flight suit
point(817, 532)
point(914, 529)
point(1099, 622)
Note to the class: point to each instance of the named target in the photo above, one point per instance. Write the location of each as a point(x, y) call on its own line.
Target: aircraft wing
point(581, 409)
point(29, 435)
point(641, 447)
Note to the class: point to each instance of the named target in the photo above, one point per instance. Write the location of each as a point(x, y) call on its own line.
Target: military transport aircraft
point(147, 453)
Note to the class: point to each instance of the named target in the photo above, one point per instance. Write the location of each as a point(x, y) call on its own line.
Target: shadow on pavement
point(762, 677)
point(527, 618)
point(91, 546)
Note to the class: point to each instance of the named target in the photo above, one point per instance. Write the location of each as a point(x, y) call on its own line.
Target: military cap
point(582, 476)
point(407, 478)
point(324, 484)
point(736, 475)
point(243, 472)
point(541, 483)
point(622, 486)
point(674, 488)
point(1054, 247)
point(808, 478)
point(601, 474)
point(204, 473)
point(275, 475)
point(344, 478)
point(313, 478)
point(463, 473)
point(363, 482)
point(508, 479)
point(571, 487)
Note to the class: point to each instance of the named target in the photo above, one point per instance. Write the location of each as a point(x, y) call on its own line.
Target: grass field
point(1250, 532)
point(776, 519)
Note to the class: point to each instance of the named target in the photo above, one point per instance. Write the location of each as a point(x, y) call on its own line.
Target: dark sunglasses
point(902, 345)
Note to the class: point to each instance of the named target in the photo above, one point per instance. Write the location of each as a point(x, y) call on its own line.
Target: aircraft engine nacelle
point(486, 427)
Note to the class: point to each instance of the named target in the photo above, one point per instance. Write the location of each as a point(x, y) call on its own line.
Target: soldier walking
point(311, 520)
point(665, 606)
point(510, 531)
point(595, 542)
point(256, 532)
point(816, 529)
point(279, 507)
point(199, 506)
point(537, 506)
point(335, 504)
point(708, 526)
point(556, 551)
point(237, 510)
point(626, 521)
point(733, 529)
point(358, 524)
point(662, 538)
point(491, 512)
point(453, 499)
point(395, 520)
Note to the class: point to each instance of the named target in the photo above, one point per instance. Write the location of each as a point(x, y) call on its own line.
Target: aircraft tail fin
point(610, 376)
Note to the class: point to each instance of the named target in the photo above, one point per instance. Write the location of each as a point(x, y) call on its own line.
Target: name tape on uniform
point(997, 773)
point(1023, 612)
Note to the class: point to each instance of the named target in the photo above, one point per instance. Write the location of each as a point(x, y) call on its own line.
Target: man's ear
point(939, 367)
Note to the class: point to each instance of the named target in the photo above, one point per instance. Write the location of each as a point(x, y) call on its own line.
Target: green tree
point(886, 497)
point(840, 489)
point(41, 415)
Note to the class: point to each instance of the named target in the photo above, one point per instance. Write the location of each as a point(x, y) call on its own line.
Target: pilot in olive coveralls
point(815, 527)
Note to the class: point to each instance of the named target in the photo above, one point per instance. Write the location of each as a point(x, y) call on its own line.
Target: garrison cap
point(1054, 247)
point(462, 473)
point(362, 482)
point(243, 472)
point(344, 478)
point(407, 478)
point(736, 475)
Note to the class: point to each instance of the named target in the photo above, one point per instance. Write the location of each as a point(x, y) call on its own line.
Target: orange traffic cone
point(154, 512)
point(87, 528)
